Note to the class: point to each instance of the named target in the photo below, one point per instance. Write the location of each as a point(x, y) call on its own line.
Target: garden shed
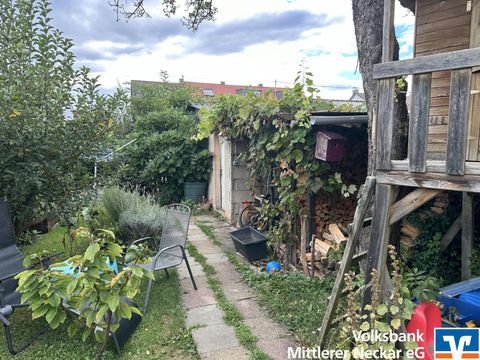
point(229, 183)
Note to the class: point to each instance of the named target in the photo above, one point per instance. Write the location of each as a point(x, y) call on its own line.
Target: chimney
point(181, 79)
point(222, 82)
point(355, 91)
point(260, 85)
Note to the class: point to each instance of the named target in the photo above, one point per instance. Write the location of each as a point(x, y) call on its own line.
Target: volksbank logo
point(457, 343)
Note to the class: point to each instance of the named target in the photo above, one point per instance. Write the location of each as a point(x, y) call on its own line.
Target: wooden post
point(379, 237)
point(388, 30)
point(467, 235)
point(473, 146)
point(303, 244)
point(458, 121)
point(360, 213)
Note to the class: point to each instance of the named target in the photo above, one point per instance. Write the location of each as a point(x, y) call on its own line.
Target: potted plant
point(196, 176)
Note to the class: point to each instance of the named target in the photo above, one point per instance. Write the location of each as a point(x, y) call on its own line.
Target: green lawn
point(161, 334)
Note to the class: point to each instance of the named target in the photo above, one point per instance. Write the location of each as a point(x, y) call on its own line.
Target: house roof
point(212, 89)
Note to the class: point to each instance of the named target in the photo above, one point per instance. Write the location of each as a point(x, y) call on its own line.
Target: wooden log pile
point(319, 260)
point(333, 208)
point(440, 203)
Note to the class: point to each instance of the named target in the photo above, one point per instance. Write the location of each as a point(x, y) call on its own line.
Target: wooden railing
point(461, 63)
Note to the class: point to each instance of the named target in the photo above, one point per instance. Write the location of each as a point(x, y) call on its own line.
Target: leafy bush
point(134, 215)
point(53, 119)
point(164, 155)
point(141, 221)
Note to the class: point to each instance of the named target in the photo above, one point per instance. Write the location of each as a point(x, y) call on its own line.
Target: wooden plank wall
point(441, 26)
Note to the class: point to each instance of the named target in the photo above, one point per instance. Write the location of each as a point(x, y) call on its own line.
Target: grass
point(208, 230)
point(231, 315)
point(293, 299)
point(160, 335)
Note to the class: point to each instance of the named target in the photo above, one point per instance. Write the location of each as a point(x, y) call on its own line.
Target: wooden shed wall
point(441, 26)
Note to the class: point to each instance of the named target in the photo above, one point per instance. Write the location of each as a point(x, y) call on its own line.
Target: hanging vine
point(278, 136)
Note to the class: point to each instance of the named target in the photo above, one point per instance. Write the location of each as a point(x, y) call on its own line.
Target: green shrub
point(134, 215)
point(141, 221)
point(116, 200)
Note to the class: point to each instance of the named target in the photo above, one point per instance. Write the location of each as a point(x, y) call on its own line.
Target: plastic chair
point(425, 319)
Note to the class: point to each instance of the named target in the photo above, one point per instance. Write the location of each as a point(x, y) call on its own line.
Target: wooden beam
point(411, 202)
point(384, 127)
point(388, 30)
point(458, 121)
point(451, 233)
point(379, 236)
point(473, 146)
point(437, 166)
point(418, 132)
point(430, 181)
point(460, 59)
point(467, 235)
point(360, 213)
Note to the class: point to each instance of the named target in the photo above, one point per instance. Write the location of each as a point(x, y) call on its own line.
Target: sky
point(250, 42)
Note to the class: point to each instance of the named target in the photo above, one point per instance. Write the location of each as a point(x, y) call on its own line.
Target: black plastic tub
point(250, 243)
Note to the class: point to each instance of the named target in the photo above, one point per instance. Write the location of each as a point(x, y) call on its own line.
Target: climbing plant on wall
point(279, 138)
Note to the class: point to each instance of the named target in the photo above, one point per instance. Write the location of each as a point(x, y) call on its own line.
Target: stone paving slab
point(217, 258)
point(182, 271)
point(214, 338)
point(237, 291)
point(266, 329)
point(206, 249)
point(187, 286)
point(248, 308)
point(205, 315)
point(198, 298)
point(277, 349)
point(226, 277)
point(238, 353)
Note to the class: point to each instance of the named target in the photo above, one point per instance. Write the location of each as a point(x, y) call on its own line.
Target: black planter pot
point(194, 191)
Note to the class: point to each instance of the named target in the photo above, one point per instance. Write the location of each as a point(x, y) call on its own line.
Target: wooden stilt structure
point(427, 178)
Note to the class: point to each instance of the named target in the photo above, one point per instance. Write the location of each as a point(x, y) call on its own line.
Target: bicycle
point(250, 214)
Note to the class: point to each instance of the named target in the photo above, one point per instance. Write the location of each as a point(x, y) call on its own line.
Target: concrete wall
point(235, 188)
point(240, 180)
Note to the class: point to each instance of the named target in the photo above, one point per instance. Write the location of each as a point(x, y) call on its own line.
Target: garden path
point(213, 337)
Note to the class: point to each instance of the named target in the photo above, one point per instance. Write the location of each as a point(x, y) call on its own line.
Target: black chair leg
point(189, 270)
point(10, 345)
point(166, 272)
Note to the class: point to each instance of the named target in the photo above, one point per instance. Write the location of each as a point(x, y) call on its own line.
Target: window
point(208, 92)
point(279, 94)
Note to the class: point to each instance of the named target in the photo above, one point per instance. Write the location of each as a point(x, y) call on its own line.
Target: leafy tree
point(53, 119)
point(93, 288)
point(164, 155)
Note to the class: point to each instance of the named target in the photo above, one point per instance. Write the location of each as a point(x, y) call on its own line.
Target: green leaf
point(50, 315)
point(113, 302)
point(72, 286)
point(394, 309)
point(101, 313)
point(396, 323)
point(365, 326)
point(382, 309)
point(85, 334)
point(91, 251)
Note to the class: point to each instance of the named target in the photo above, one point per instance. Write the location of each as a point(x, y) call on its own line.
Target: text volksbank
point(371, 337)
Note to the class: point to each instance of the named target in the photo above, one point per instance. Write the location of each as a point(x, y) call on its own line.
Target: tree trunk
point(368, 21)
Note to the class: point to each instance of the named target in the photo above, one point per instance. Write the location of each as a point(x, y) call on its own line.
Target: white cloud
point(328, 50)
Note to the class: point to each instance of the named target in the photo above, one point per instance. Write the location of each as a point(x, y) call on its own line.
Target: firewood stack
point(440, 203)
point(408, 238)
point(322, 248)
point(333, 208)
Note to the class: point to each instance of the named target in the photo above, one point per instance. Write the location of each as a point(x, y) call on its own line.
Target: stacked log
point(408, 238)
point(440, 203)
point(333, 208)
point(322, 248)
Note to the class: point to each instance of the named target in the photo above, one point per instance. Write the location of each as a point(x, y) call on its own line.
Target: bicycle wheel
point(249, 216)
